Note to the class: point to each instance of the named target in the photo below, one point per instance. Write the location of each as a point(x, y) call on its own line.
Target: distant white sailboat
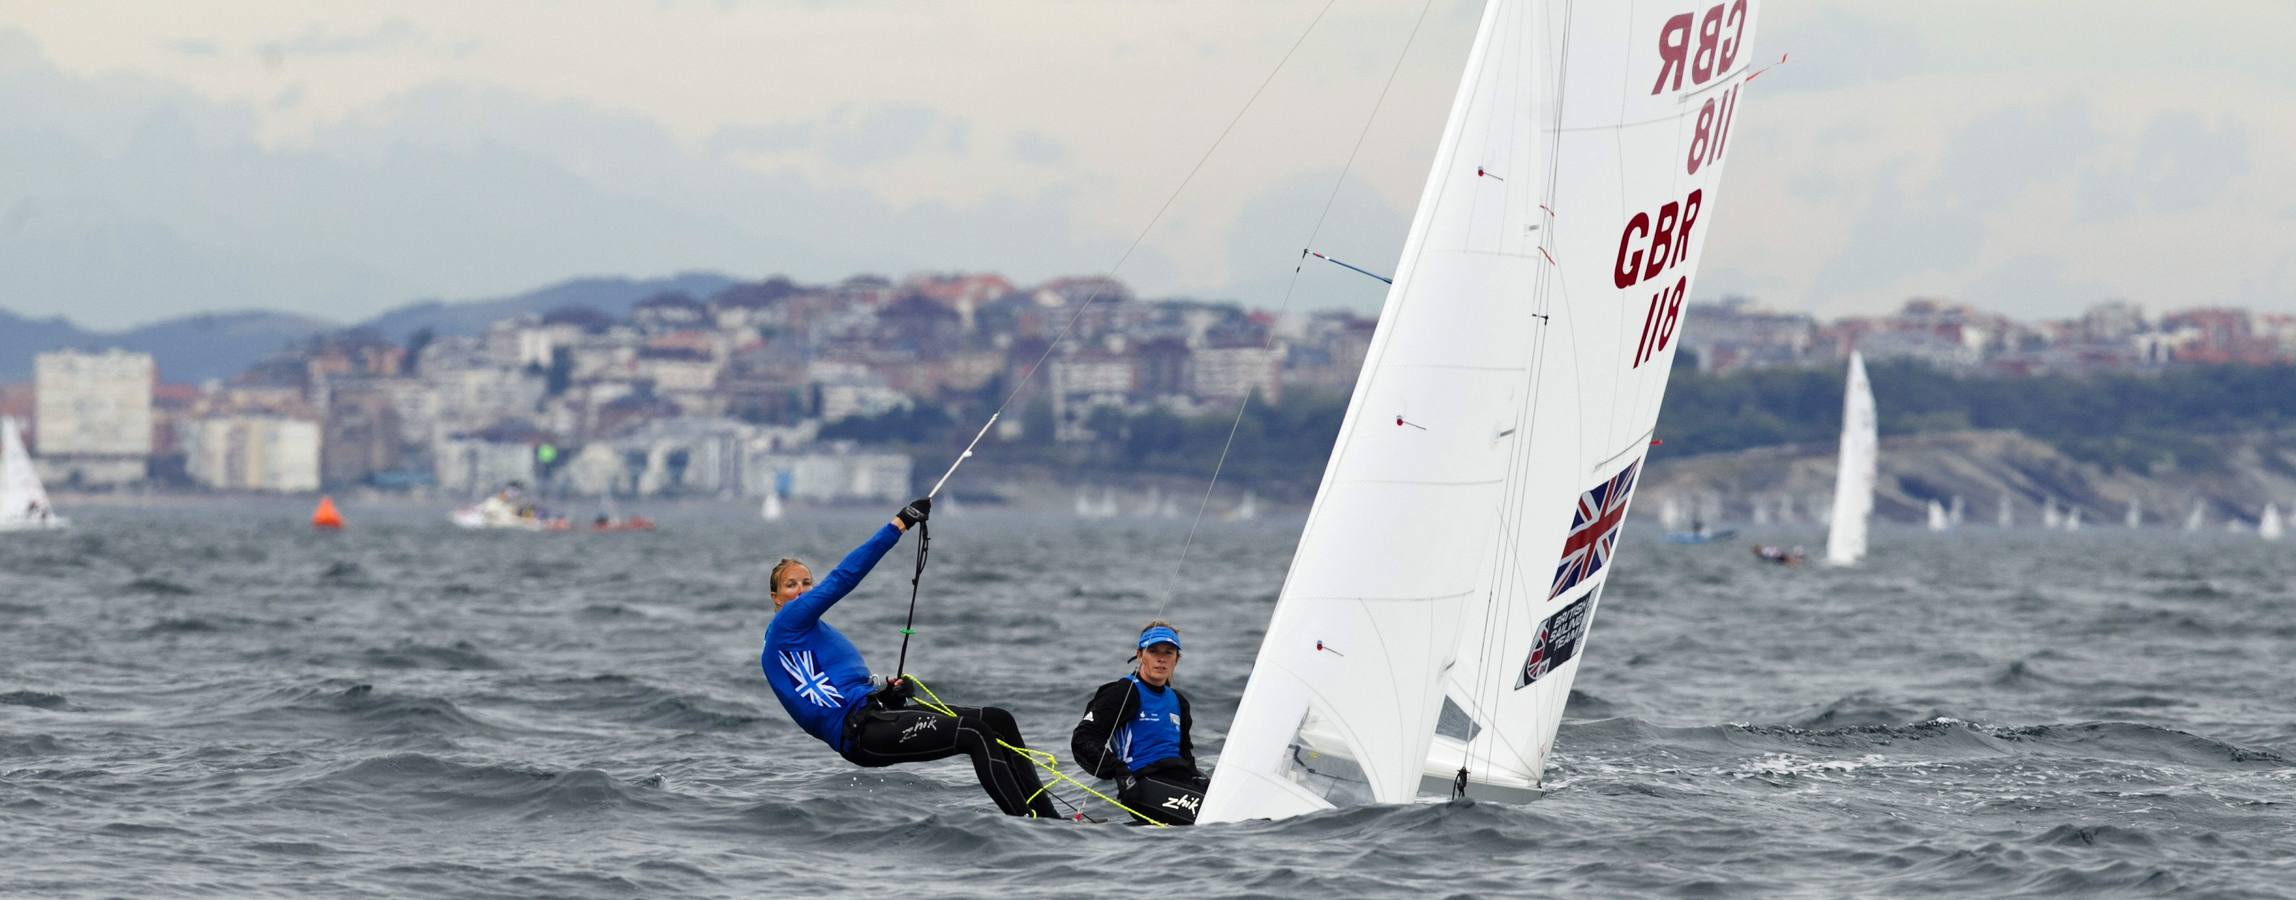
point(1670, 515)
point(23, 502)
point(2073, 519)
point(2050, 517)
point(1937, 518)
point(2199, 515)
point(2135, 517)
point(1857, 470)
point(1247, 510)
point(1761, 510)
point(1087, 507)
point(770, 510)
point(2007, 517)
point(2268, 527)
point(1953, 512)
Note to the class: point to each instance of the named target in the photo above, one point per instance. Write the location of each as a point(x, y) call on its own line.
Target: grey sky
point(159, 159)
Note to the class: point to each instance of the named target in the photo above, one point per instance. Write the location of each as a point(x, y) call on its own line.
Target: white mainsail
point(1953, 513)
point(2073, 519)
point(1854, 476)
point(23, 502)
point(770, 509)
point(2135, 517)
point(1937, 518)
point(2199, 514)
point(2268, 527)
point(2050, 518)
point(1501, 419)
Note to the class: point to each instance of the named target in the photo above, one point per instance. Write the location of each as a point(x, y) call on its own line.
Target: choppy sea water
point(210, 700)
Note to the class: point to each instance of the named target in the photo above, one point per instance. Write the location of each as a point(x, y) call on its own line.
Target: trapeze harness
point(1137, 734)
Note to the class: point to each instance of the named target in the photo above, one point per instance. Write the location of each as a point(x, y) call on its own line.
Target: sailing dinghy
point(1857, 470)
point(23, 502)
point(1456, 552)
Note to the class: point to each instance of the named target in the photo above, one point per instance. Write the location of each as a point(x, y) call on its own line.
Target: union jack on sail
point(1594, 530)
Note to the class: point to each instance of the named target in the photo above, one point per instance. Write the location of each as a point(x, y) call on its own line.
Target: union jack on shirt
point(812, 683)
point(1595, 523)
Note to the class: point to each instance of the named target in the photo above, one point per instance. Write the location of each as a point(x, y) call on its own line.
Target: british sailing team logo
point(1558, 641)
point(812, 683)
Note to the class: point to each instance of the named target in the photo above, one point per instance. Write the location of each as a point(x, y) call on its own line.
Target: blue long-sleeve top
point(815, 672)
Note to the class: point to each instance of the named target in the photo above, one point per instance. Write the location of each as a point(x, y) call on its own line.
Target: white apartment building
point(1227, 372)
point(92, 412)
point(252, 453)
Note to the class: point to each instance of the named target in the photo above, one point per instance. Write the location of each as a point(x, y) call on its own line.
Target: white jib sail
point(1502, 415)
point(2268, 527)
point(1937, 519)
point(2193, 519)
point(1855, 474)
point(20, 488)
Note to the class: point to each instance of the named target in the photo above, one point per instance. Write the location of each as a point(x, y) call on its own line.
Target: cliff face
point(1980, 467)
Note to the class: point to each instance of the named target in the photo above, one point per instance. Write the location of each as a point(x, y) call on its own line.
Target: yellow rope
point(1043, 759)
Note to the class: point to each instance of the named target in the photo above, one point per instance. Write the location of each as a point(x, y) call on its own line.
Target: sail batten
point(1501, 421)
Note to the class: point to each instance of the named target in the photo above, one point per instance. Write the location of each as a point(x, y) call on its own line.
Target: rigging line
point(1290, 288)
point(1161, 210)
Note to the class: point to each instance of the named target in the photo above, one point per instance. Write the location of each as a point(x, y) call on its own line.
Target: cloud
point(130, 203)
point(1895, 236)
point(2034, 283)
point(1037, 148)
point(2178, 164)
point(197, 47)
point(387, 35)
point(2004, 152)
point(1820, 38)
point(853, 136)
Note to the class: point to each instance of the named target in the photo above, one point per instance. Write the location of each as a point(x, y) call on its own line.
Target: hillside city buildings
point(770, 387)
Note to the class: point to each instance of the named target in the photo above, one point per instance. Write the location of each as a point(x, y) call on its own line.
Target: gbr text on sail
point(1693, 49)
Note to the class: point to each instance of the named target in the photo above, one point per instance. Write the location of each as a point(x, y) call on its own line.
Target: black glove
point(895, 693)
point(917, 511)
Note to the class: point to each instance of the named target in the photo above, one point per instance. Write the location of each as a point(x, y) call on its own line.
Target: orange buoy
point(325, 517)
